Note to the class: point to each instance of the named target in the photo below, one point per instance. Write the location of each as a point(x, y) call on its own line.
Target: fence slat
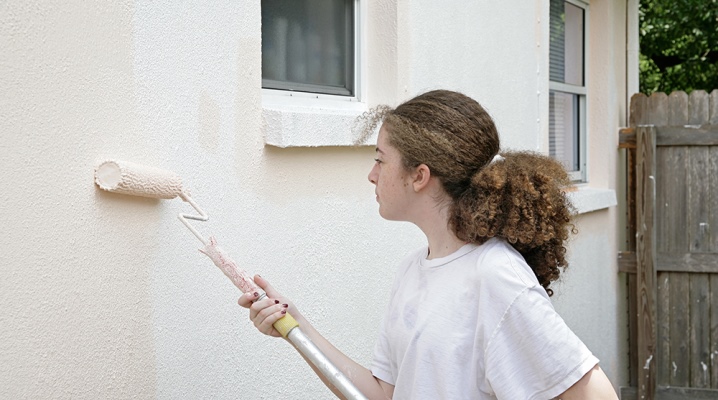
point(678, 108)
point(658, 109)
point(713, 316)
point(674, 204)
point(680, 368)
point(698, 163)
point(632, 330)
point(713, 118)
point(639, 110)
point(645, 257)
point(663, 312)
point(711, 175)
point(698, 107)
point(636, 112)
point(664, 200)
point(700, 331)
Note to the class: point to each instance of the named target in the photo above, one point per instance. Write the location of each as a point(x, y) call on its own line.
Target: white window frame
point(582, 91)
point(303, 119)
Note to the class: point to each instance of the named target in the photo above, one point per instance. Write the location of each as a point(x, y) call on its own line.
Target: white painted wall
point(106, 296)
point(493, 54)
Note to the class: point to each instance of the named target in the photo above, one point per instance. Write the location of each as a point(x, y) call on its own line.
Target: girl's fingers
point(267, 324)
point(265, 313)
point(247, 298)
point(264, 284)
point(258, 306)
point(264, 308)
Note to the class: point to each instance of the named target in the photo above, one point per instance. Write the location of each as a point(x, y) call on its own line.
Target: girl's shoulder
point(499, 263)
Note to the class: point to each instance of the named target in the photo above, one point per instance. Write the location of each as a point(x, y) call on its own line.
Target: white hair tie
point(497, 158)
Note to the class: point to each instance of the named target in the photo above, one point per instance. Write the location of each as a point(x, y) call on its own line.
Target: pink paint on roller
point(238, 276)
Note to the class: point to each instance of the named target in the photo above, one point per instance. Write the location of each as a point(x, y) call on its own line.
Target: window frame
point(303, 119)
point(352, 74)
point(581, 175)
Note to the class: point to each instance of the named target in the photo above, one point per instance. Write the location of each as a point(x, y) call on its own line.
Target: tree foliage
point(679, 45)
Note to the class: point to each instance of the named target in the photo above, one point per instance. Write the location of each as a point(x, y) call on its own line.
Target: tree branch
point(664, 62)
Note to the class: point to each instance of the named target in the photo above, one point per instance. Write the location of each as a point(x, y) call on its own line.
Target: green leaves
point(679, 45)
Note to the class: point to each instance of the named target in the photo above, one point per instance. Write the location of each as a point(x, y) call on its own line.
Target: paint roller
point(140, 180)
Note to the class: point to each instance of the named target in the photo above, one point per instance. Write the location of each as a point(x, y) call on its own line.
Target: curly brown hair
point(520, 198)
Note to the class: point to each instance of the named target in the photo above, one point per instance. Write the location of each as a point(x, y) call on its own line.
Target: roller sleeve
point(137, 180)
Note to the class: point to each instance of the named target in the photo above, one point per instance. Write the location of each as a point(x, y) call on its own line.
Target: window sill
point(586, 199)
point(303, 120)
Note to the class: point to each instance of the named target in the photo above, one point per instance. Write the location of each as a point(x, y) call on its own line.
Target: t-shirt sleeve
point(532, 353)
point(382, 366)
point(381, 363)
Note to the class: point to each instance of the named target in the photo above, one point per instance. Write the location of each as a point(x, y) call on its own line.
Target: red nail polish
point(256, 294)
point(285, 305)
point(284, 311)
point(276, 301)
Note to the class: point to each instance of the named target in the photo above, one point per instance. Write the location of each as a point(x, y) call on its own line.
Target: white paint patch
point(648, 362)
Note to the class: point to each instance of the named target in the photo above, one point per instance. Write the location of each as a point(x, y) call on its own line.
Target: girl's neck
point(431, 214)
point(442, 240)
point(444, 248)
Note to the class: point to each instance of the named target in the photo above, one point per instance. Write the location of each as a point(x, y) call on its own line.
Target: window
point(308, 46)
point(567, 86)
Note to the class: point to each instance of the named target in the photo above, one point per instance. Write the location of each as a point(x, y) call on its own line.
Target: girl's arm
point(593, 385)
point(266, 312)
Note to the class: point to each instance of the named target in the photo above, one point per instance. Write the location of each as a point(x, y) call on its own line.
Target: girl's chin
point(387, 216)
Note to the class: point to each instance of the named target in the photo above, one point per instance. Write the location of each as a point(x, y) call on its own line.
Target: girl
point(469, 315)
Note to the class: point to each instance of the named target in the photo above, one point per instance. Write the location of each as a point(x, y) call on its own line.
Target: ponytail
point(520, 199)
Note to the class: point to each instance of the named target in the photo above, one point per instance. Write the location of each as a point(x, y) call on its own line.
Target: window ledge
point(309, 121)
point(586, 199)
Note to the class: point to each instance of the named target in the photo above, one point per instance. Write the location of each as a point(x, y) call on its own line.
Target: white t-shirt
point(475, 325)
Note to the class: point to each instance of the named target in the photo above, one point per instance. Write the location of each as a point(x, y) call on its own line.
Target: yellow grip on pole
point(286, 324)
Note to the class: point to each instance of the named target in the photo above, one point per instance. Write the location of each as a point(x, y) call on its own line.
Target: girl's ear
point(421, 177)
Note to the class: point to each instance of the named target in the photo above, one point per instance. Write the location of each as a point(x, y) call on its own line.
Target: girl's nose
point(372, 175)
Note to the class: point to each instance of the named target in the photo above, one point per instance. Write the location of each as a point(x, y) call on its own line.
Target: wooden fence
point(672, 257)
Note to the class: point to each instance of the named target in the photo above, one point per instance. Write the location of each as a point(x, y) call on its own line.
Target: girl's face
point(393, 182)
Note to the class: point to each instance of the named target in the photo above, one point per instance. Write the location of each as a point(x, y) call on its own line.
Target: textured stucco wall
point(493, 54)
point(106, 296)
point(76, 312)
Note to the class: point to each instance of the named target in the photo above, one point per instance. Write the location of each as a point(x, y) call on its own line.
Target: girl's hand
point(264, 313)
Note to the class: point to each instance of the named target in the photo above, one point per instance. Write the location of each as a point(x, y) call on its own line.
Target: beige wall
point(76, 309)
point(105, 296)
